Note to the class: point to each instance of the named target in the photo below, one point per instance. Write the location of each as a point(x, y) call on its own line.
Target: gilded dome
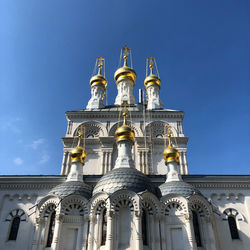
point(151, 80)
point(124, 132)
point(124, 178)
point(98, 80)
point(78, 154)
point(125, 72)
point(171, 154)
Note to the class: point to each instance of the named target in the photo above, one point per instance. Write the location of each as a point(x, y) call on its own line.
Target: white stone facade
point(214, 216)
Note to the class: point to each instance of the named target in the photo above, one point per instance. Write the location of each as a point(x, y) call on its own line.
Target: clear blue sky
point(47, 54)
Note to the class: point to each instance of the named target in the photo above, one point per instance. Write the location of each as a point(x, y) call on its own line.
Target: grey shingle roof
point(124, 178)
point(178, 187)
point(72, 187)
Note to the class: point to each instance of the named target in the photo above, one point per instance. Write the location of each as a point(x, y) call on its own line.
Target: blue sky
point(47, 54)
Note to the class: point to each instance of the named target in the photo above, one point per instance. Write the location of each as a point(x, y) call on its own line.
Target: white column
point(157, 232)
point(104, 170)
point(110, 160)
point(182, 171)
point(185, 162)
point(64, 163)
point(91, 232)
point(110, 224)
point(37, 233)
point(84, 232)
point(152, 231)
point(57, 231)
point(211, 238)
point(138, 230)
point(163, 230)
point(96, 232)
point(190, 232)
point(42, 238)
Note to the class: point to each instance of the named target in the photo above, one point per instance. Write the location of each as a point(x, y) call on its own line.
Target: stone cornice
point(19, 182)
point(109, 114)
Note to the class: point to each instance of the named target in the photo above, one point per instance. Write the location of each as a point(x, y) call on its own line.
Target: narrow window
point(14, 228)
point(51, 229)
point(144, 228)
point(233, 228)
point(104, 227)
point(196, 229)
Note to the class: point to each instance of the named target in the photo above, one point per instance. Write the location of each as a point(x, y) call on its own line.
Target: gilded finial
point(125, 132)
point(100, 64)
point(125, 50)
point(151, 78)
point(151, 64)
point(78, 153)
point(170, 153)
point(99, 79)
point(125, 72)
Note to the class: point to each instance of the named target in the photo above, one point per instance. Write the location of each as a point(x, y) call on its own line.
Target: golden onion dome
point(125, 72)
point(98, 80)
point(151, 80)
point(78, 154)
point(125, 133)
point(171, 154)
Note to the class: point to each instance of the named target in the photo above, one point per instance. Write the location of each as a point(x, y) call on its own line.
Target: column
point(110, 160)
point(152, 231)
point(163, 232)
point(96, 232)
point(157, 232)
point(110, 224)
point(84, 232)
point(185, 162)
point(64, 163)
point(182, 171)
point(41, 239)
point(68, 164)
point(57, 231)
point(37, 233)
point(211, 238)
point(91, 232)
point(103, 162)
point(138, 230)
point(190, 232)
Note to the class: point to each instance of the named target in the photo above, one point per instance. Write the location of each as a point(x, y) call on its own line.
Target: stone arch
point(175, 206)
point(18, 212)
point(93, 129)
point(232, 212)
point(156, 129)
point(136, 129)
point(74, 205)
point(98, 201)
point(125, 198)
point(200, 205)
point(47, 202)
point(149, 200)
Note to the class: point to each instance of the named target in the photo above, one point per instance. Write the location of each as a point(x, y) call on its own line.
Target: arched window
point(104, 227)
point(14, 228)
point(196, 229)
point(144, 228)
point(233, 227)
point(51, 229)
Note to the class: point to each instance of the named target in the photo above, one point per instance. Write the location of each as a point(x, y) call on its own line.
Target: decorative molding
point(16, 213)
point(24, 186)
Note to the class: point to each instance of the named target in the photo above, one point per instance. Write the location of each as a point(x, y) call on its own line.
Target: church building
point(124, 182)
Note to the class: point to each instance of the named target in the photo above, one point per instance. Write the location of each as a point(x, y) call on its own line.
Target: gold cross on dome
point(151, 64)
point(125, 50)
point(80, 135)
point(100, 64)
point(169, 134)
